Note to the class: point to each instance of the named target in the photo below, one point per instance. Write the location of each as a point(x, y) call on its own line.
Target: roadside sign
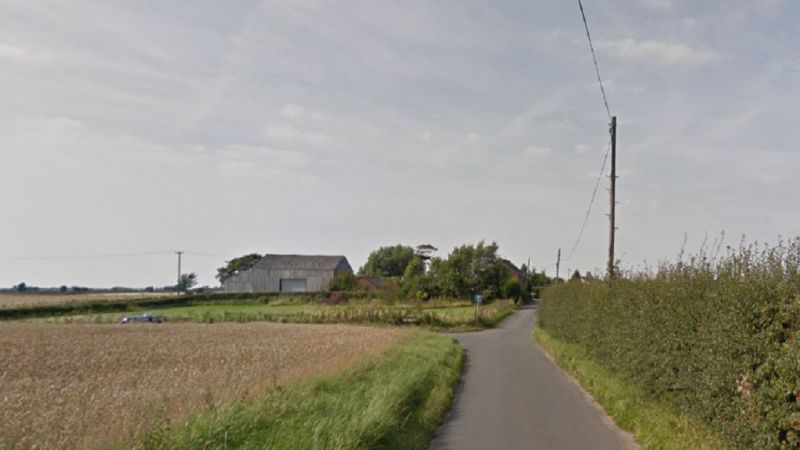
point(478, 298)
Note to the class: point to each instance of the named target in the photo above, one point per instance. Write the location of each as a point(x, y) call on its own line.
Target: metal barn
point(288, 273)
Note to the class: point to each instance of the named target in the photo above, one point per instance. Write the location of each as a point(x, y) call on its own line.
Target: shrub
point(344, 281)
point(335, 298)
point(511, 289)
point(714, 337)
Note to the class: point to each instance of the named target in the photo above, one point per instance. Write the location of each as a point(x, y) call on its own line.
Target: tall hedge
point(715, 337)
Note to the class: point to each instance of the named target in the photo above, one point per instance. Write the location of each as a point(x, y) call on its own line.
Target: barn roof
point(313, 262)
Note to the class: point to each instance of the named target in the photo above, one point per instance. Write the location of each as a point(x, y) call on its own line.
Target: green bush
point(510, 288)
point(715, 337)
point(344, 281)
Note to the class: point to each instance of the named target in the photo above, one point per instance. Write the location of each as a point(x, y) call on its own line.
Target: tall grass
point(90, 387)
point(396, 402)
point(713, 335)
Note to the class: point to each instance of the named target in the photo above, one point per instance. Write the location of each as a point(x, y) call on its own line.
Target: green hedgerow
point(714, 336)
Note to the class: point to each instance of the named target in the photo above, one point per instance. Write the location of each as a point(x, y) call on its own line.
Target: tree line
point(467, 271)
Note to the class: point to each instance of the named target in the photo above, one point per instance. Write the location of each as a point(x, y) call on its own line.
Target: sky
point(133, 129)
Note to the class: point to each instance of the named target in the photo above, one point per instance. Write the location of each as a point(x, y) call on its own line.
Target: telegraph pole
point(558, 264)
point(179, 253)
point(612, 227)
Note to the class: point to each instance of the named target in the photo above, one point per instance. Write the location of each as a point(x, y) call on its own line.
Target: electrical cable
point(591, 202)
point(608, 150)
point(594, 58)
point(68, 257)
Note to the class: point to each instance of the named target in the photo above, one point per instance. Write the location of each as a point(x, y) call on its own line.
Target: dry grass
point(91, 386)
point(9, 299)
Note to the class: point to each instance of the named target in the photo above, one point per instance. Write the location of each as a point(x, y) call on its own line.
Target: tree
point(388, 261)
point(414, 268)
point(470, 270)
point(63, 288)
point(539, 279)
point(237, 265)
point(414, 284)
point(511, 289)
point(22, 287)
point(576, 276)
point(188, 280)
point(343, 281)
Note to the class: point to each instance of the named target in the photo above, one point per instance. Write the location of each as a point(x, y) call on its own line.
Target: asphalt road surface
point(512, 396)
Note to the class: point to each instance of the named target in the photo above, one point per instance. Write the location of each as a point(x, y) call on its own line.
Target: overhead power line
point(610, 143)
point(591, 203)
point(210, 255)
point(594, 58)
point(106, 256)
point(97, 256)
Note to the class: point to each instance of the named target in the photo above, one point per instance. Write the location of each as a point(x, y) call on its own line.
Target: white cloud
point(656, 4)
point(291, 135)
point(269, 156)
point(472, 137)
point(8, 51)
point(581, 148)
point(297, 112)
point(613, 86)
point(291, 111)
point(16, 53)
point(538, 150)
point(656, 52)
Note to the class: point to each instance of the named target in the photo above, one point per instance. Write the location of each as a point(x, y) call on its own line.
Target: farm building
point(288, 273)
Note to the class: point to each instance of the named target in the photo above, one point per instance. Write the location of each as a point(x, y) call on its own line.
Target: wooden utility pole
point(179, 253)
point(558, 264)
point(612, 228)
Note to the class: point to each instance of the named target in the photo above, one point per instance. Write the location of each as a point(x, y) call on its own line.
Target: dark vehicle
point(147, 317)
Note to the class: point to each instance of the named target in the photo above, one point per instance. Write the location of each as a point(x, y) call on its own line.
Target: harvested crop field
point(12, 299)
point(91, 386)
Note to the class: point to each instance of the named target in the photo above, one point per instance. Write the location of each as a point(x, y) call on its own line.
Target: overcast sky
point(323, 127)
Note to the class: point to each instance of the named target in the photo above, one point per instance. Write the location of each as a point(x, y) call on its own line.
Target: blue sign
point(478, 298)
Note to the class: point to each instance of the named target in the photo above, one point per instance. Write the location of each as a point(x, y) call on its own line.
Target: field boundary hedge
point(714, 338)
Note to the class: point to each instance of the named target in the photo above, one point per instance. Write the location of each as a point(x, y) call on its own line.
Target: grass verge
point(653, 424)
point(394, 402)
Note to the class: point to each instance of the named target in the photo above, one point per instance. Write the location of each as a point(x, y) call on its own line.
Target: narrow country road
point(512, 396)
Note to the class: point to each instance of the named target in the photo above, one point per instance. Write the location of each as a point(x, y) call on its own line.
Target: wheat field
point(92, 386)
point(17, 299)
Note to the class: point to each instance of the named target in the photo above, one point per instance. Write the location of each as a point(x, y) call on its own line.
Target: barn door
point(294, 285)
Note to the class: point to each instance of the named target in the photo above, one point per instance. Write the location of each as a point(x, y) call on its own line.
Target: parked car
point(147, 317)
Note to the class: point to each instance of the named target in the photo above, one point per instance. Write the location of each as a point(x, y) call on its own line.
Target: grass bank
point(395, 402)
point(654, 426)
